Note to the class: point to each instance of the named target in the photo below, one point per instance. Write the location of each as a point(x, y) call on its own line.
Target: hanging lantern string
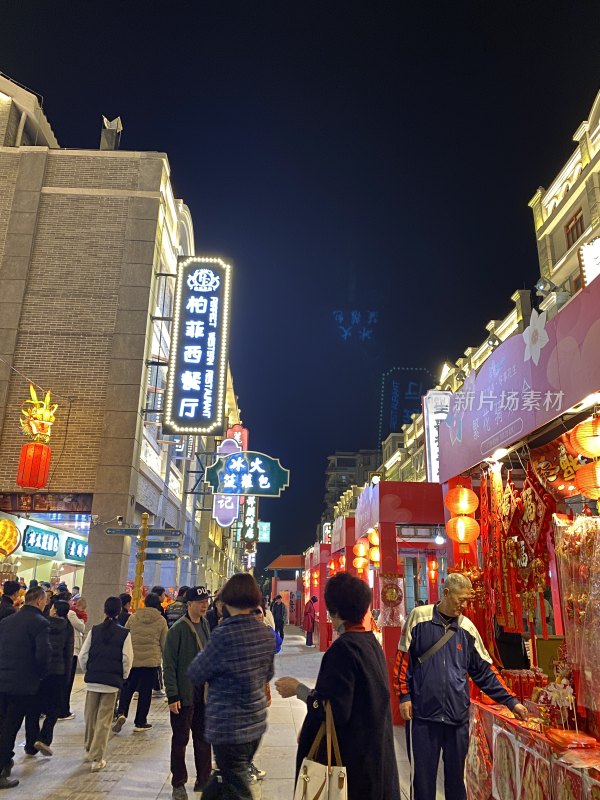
point(33, 383)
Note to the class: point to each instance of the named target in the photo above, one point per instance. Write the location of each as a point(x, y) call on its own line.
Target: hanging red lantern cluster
point(585, 439)
point(36, 423)
point(361, 551)
point(433, 570)
point(461, 502)
point(587, 480)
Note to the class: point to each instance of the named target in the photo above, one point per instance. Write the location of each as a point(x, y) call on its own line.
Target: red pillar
point(391, 635)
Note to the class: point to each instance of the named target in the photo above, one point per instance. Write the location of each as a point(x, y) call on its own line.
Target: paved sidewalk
point(138, 763)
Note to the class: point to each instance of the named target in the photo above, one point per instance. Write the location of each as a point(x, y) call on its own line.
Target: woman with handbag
point(353, 681)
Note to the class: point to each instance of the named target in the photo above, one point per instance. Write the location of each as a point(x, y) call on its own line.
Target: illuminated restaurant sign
point(248, 473)
point(75, 549)
point(199, 345)
point(40, 542)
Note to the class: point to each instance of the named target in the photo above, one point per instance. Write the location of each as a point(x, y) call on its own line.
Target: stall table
point(508, 761)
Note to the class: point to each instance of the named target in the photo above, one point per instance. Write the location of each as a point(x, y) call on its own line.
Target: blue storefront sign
point(248, 473)
point(75, 549)
point(40, 542)
point(199, 347)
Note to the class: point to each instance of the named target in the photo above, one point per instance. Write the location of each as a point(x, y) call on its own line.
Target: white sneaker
point(98, 765)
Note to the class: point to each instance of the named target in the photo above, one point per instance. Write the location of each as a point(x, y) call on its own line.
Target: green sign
point(160, 556)
point(264, 532)
point(76, 549)
point(247, 473)
point(40, 542)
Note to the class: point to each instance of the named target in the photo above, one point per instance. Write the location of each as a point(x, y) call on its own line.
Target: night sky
point(374, 156)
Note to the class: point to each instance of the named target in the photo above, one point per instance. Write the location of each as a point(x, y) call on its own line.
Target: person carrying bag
point(318, 781)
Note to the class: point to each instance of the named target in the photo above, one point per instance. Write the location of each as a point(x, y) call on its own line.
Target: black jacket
point(353, 676)
point(123, 617)
point(105, 659)
point(24, 651)
point(61, 646)
point(6, 607)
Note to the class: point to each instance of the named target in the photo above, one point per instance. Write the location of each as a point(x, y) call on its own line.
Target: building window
point(576, 283)
point(574, 228)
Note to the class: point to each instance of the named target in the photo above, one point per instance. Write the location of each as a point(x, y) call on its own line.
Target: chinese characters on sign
point(226, 508)
point(247, 473)
point(357, 322)
point(198, 357)
point(76, 549)
point(264, 532)
point(250, 525)
point(39, 541)
point(525, 400)
point(401, 391)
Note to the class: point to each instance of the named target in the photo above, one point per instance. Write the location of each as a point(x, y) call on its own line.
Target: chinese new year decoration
point(10, 537)
point(587, 480)
point(361, 551)
point(462, 529)
point(461, 500)
point(586, 437)
point(37, 418)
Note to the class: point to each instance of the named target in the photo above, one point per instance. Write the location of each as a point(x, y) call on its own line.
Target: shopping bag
point(318, 781)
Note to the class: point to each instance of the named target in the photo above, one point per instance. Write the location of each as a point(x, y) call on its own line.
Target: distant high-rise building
point(345, 470)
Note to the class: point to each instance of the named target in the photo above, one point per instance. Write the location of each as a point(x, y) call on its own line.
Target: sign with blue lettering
point(248, 473)
point(199, 347)
point(40, 542)
point(75, 549)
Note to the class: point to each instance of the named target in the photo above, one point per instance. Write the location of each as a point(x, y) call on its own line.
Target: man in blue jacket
point(438, 651)
point(24, 660)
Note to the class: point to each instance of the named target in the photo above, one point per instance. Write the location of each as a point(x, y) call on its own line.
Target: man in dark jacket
point(24, 658)
point(177, 609)
point(188, 636)
point(280, 615)
point(52, 689)
point(431, 681)
point(11, 590)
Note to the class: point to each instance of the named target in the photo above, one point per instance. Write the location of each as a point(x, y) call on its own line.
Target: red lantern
point(462, 529)
point(34, 465)
point(587, 480)
point(360, 562)
point(361, 548)
point(342, 562)
point(586, 438)
point(461, 500)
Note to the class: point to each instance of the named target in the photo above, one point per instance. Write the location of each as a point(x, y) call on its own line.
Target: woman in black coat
point(353, 677)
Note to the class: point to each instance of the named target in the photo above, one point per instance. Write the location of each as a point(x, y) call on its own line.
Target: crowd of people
point(215, 664)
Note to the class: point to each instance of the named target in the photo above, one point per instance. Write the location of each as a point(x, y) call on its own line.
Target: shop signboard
point(250, 520)
point(337, 534)
point(226, 508)
point(248, 473)
point(401, 391)
point(197, 371)
point(529, 380)
point(264, 532)
point(40, 542)
point(75, 549)
point(46, 502)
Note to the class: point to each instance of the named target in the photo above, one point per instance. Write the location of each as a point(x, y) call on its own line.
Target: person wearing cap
point(188, 636)
point(10, 595)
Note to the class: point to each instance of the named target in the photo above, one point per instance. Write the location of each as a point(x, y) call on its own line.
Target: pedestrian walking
point(10, 596)
point(308, 622)
point(214, 615)
point(148, 632)
point(188, 636)
point(353, 678)
point(77, 618)
point(106, 658)
point(176, 609)
point(159, 683)
point(24, 658)
point(236, 664)
point(280, 615)
point(438, 651)
point(51, 694)
point(125, 609)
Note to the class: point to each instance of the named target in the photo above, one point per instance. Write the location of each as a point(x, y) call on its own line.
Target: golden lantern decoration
point(375, 556)
point(37, 418)
point(462, 529)
point(10, 537)
point(342, 562)
point(361, 548)
point(360, 562)
point(587, 480)
point(586, 437)
point(433, 570)
point(461, 500)
point(373, 537)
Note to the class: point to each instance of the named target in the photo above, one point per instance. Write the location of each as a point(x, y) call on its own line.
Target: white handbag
point(323, 781)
